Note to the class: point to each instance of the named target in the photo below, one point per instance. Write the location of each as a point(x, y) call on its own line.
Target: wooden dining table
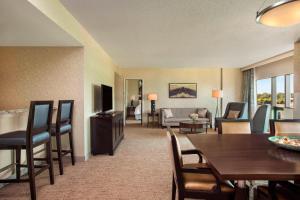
point(243, 157)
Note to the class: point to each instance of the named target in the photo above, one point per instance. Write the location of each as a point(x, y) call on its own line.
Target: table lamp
point(217, 94)
point(132, 98)
point(152, 97)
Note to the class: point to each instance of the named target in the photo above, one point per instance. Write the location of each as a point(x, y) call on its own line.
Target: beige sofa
point(181, 114)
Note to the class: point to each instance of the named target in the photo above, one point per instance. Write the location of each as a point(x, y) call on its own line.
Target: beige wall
point(98, 66)
point(156, 80)
point(43, 73)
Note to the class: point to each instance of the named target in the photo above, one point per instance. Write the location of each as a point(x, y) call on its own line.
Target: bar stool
point(36, 134)
point(63, 126)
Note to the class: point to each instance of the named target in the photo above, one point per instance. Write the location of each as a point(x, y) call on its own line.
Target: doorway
point(134, 101)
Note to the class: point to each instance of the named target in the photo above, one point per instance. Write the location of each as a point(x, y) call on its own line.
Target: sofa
point(181, 114)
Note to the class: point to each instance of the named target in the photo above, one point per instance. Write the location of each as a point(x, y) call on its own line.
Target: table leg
point(242, 191)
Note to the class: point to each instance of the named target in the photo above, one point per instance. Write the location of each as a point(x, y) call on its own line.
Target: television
point(106, 93)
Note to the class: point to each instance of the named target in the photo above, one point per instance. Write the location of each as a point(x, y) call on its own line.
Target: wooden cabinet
point(107, 131)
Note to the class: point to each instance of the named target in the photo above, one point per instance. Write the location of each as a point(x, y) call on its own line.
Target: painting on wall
point(182, 90)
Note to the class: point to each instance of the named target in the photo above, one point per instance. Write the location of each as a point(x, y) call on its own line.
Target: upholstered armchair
point(259, 123)
point(233, 106)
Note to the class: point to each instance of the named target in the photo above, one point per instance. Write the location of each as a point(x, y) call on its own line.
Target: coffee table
point(193, 126)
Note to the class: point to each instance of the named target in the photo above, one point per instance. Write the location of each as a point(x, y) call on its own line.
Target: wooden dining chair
point(63, 126)
point(235, 127)
point(282, 190)
point(36, 134)
point(200, 183)
point(285, 127)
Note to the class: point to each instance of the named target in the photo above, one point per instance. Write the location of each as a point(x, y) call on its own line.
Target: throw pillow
point(202, 112)
point(168, 113)
point(233, 114)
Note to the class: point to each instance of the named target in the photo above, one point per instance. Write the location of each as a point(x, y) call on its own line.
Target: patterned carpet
point(140, 169)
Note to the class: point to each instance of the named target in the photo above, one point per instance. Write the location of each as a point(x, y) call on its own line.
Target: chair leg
point(71, 147)
point(50, 161)
point(30, 165)
point(173, 189)
point(18, 163)
point(59, 156)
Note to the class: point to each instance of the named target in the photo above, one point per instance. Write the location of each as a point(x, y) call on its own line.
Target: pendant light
point(281, 14)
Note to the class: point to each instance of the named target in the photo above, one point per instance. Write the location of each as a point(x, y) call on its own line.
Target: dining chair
point(235, 127)
point(36, 134)
point(285, 127)
point(282, 190)
point(63, 126)
point(200, 183)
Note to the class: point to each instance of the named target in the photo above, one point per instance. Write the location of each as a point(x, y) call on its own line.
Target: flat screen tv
point(106, 98)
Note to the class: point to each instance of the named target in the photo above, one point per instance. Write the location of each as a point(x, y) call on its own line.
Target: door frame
point(125, 98)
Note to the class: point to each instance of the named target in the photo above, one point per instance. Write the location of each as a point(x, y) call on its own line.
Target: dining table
point(242, 157)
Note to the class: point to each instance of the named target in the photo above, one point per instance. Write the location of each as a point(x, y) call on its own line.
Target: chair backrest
point(39, 119)
point(285, 127)
point(236, 106)
point(176, 157)
point(64, 112)
point(260, 122)
point(235, 127)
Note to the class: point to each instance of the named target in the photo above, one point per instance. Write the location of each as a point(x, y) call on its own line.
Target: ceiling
point(181, 33)
point(23, 25)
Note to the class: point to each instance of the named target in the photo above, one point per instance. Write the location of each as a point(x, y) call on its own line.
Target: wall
point(43, 73)
point(156, 80)
point(98, 66)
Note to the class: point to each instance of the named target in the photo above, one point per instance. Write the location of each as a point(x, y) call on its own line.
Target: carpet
point(140, 169)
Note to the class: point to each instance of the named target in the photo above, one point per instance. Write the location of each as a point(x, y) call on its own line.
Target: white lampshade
point(281, 14)
point(152, 96)
point(217, 93)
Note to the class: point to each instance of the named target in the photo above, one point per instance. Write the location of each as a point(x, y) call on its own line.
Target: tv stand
point(107, 131)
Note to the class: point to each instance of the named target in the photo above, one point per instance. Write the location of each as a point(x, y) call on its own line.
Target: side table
point(154, 117)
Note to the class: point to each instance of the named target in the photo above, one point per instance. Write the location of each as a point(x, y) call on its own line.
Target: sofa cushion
point(168, 113)
point(202, 112)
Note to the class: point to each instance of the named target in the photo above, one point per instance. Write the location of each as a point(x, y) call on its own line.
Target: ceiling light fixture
point(281, 14)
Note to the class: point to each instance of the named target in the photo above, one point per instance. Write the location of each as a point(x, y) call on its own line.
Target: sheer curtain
point(248, 90)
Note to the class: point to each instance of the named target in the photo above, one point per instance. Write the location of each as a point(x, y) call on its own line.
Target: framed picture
point(182, 90)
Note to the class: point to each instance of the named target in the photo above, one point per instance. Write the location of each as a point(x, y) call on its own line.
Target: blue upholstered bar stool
point(36, 134)
point(63, 126)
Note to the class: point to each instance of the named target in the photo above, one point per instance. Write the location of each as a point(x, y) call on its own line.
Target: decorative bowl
point(276, 140)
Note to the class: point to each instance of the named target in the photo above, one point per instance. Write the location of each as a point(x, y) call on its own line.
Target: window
point(280, 88)
point(290, 88)
point(264, 91)
point(280, 91)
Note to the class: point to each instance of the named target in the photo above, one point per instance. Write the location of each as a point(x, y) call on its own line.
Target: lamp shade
point(217, 93)
point(281, 14)
point(152, 96)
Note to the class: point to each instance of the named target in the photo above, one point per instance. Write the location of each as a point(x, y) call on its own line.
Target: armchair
point(233, 106)
point(259, 123)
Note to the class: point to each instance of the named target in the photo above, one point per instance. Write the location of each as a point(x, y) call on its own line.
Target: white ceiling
point(21, 24)
point(181, 33)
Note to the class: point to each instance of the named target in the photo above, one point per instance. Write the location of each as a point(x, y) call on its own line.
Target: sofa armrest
point(209, 116)
point(162, 116)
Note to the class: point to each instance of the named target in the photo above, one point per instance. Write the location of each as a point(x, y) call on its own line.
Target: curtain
point(248, 90)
